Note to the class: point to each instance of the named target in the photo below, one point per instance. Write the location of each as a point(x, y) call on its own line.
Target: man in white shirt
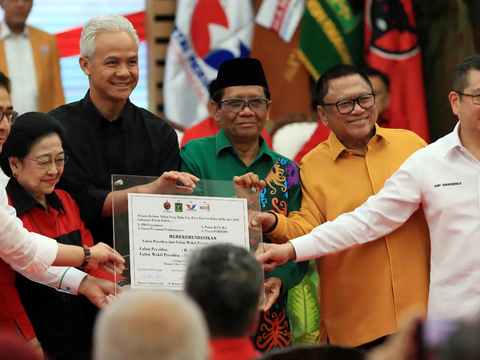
point(444, 178)
point(29, 57)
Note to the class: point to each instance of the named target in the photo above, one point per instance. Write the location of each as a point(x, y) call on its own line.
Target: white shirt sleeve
point(63, 279)
point(380, 215)
point(29, 252)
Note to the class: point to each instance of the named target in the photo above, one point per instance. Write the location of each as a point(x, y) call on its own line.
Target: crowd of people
point(393, 223)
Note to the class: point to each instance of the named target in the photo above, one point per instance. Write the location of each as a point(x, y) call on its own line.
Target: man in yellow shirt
point(364, 290)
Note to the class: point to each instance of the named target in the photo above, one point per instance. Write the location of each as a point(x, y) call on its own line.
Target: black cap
point(212, 88)
point(240, 72)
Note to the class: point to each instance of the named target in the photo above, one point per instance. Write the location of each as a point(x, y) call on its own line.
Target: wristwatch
point(87, 255)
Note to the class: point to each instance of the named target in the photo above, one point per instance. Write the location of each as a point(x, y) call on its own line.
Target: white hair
point(151, 325)
point(101, 24)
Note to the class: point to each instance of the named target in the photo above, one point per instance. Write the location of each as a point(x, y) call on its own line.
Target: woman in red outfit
point(34, 158)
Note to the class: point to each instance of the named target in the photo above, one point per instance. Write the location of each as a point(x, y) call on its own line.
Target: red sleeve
point(320, 135)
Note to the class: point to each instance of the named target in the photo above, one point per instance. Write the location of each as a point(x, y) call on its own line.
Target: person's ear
point(454, 98)
point(85, 65)
point(14, 163)
point(322, 114)
point(215, 112)
point(269, 109)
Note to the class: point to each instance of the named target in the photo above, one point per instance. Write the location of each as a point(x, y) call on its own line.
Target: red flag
point(392, 47)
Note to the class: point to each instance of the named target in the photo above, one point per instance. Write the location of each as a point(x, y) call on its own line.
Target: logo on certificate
point(191, 207)
point(167, 205)
point(178, 207)
point(205, 207)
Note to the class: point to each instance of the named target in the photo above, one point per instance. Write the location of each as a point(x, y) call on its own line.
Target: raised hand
point(169, 182)
point(272, 291)
point(103, 257)
point(98, 290)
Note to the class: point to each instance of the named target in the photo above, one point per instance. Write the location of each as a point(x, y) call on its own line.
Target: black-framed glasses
point(475, 97)
point(10, 114)
point(237, 105)
point(46, 163)
point(346, 106)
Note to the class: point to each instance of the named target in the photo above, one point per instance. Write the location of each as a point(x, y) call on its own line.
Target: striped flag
point(332, 33)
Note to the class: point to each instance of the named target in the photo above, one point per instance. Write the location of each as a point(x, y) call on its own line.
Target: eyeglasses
point(237, 105)
point(10, 114)
point(475, 97)
point(45, 163)
point(346, 106)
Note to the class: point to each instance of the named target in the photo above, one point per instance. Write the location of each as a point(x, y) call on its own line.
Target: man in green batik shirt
point(242, 107)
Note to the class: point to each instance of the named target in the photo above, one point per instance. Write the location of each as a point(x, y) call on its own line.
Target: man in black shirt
point(107, 134)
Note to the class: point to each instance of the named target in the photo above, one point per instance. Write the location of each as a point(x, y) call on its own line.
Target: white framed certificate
point(164, 229)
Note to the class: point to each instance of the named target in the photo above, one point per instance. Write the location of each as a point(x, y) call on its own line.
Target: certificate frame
point(124, 236)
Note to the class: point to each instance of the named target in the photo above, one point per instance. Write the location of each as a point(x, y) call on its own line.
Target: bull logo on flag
point(393, 31)
point(393, 48)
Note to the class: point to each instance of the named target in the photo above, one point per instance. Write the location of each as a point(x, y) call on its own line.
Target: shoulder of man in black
point(61, 113)
point(81, 121)
point(153, 121)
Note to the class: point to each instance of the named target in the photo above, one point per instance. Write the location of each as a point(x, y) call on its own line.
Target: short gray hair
point(151, 325)
point(226, 281)
point(101, 24)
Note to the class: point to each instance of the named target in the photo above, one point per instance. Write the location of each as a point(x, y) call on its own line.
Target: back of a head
point(226, 281)
point(336, 72)
point(151, 325)
point(28, 129)
point(101, 24)
point(323, 352)
point(372, 72)
point(462, 71)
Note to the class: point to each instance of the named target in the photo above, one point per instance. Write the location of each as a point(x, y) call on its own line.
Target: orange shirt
point(363, 291)
point(322, 132)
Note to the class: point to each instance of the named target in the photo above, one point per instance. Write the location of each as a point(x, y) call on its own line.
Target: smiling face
point(113, 74)
point(356, 126)
point(37, 180)
point(246, 125)
point(6, 106)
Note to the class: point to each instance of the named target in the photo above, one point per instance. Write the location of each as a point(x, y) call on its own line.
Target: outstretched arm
point(378, 216)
